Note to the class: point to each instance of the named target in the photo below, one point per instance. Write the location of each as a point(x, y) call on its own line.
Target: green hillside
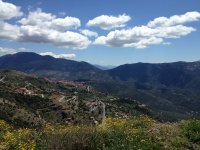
point(171, 90)
point(38, 113)
point(30, 101)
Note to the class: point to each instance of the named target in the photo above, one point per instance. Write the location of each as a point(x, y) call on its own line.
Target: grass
point(137, 133)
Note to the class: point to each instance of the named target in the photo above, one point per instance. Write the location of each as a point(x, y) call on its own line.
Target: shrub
point(21, 139)
point(191, 130)
point(123, 134)
point(113, 134)
point(65, 137)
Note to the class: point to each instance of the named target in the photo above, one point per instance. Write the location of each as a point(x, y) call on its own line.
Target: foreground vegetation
point(113, 134)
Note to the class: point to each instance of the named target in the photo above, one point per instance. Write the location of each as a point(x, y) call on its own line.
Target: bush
point(65, 137)
point(191, 130)
point(113, 134)
point(123, 134)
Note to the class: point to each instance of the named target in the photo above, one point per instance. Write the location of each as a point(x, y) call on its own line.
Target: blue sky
point(125, 34)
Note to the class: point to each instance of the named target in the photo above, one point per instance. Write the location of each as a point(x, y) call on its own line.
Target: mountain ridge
point(49, 66)
point(168, 88)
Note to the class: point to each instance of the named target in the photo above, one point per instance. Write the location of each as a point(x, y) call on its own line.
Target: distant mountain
point(178, 74)
point(170, 89)
point(105, 67)
point(51, 67)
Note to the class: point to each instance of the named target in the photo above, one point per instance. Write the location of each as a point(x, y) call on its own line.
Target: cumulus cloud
point(173, 31)
point(6, 50)
point(175, 20)
point(41, 27)
point(89, 33)
point(66, 39)
point(142, 36)
point(64, 56)
point(137, 37)
point(8, 10)
point(153, 33)
point(109, 22)
point(47, 20)
point(37, 17)
point(9, 31)
point(66, 23)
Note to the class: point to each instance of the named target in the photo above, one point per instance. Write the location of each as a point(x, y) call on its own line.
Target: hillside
point(37, 112)
point(171, 90)
point(179, 74)
point(27, 100)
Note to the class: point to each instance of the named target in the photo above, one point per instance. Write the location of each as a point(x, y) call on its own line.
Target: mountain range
point(171, 89)
point(50, 67)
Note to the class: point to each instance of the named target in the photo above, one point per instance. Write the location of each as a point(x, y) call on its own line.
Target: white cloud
point(37, 18)
point(8, 10)
point(143, 36)
point(6, 50)
point(109, 22)
point(89, 33)
point(137, 37)
point(41, 27)
point(47, 20)
point(151, 34)
point(64, 56)
point(62, 24)
point(9, 31)
point(66, 39)
point(173, 31)
point(175, 20)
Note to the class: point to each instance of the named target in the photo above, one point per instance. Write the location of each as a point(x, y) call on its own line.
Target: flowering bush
point(21, 139)
point(113, 134)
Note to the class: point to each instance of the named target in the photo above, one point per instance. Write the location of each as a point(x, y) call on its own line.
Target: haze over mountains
point(171, 89)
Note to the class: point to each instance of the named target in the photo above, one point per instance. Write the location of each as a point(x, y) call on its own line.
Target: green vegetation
point(171, 90)
point(167, 103)
point(192, 131)
point(41, 114)
point(30, 101)
point(113, 134)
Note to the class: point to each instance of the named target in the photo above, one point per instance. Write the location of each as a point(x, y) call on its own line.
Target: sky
point(106, 32)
